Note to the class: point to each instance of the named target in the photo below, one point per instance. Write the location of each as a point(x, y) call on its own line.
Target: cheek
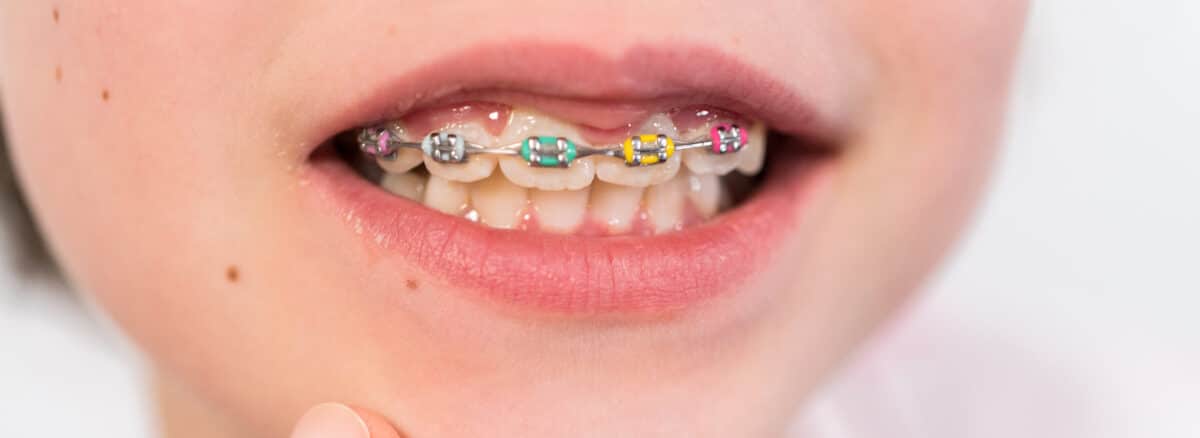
point(125, 157)
point(934, 93)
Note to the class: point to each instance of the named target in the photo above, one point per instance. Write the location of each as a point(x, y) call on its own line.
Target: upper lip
point(578, 78)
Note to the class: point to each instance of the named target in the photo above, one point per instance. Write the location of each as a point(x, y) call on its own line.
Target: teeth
point(408, 185)
point(576, 177)
point(616, 172)
point(526, 124)
point(406, 160)
point(751, 157)
point(559, 211)
point(657, 198)
point(450, 197)
point(499, 202)
point(706, 193)
point(665, 203)
point(478, 166)
point(615, 206)
point(705, 162)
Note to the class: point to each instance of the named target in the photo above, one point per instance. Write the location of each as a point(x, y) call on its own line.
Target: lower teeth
point(598, 209)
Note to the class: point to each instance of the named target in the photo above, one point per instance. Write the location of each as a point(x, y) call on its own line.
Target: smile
point(603, 189)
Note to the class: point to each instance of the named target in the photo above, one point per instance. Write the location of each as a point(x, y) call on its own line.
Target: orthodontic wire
point(383, 141)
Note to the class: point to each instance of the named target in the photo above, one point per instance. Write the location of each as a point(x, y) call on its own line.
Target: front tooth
point(665, 204)
point(615, 171)
point(527, 124)
point(478, 166)
point(576, 177)
point(755, 150)
point(499, 202)
point(615, 206)
point(450, 197)
point(408, 185)
point(559, 211)
point(706, 193)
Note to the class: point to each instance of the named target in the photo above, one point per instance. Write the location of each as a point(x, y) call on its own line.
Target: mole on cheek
point(58, 73)
point(55, 14)
point(232, 274)
point(104, 95)
point(411, 284)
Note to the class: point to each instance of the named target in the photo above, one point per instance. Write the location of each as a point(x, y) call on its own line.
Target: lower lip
point(575, 275)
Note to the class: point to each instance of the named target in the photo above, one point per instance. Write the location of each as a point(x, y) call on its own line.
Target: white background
point(1070, 310)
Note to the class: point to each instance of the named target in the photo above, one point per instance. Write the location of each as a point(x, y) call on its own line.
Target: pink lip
point(577, 275)
point(581, 84)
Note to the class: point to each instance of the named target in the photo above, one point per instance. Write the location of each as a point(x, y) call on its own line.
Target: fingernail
point(331, 420)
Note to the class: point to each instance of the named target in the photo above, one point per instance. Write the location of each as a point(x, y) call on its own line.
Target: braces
point(383, 141)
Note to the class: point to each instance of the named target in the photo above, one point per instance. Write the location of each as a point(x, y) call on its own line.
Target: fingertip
point(378, 426)
point(331, 420)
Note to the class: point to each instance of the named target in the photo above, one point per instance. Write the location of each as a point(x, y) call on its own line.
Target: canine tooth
point(478, 166)
point(405, 160)
point(498, 201)
point(615, 171)
point(561, 210)
point(615, 205)
point(751, 157)
point(450, 197)
point(706, 193)
point(576, 177)
point(704, 161)
point(408, 185)
point(665, 203)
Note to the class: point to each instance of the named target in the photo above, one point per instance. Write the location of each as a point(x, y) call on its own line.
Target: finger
point(336, 420)
point(378, 426)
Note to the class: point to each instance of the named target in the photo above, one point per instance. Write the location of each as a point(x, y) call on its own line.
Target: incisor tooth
point(559, 211)
point(500, 203)
point(665, 203)
point(576, 177)
point(450, 197)
point(615, 171)
point(614, 205)
point(478, 166)
point(751, 157)
point(525, 124)
point(408, 185)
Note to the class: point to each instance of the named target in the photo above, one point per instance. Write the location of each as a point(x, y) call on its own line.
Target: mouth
point(577, 184)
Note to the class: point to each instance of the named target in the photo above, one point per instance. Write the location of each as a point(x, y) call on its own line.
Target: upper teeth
point(468, 145)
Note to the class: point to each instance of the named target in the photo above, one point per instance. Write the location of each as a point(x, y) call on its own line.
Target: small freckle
point(55, 14)
point(104, 95)
point(232, 274)
point(58, 73)
point(411, 284)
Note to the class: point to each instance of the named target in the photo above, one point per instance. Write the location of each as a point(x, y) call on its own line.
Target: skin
point(155, 145)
